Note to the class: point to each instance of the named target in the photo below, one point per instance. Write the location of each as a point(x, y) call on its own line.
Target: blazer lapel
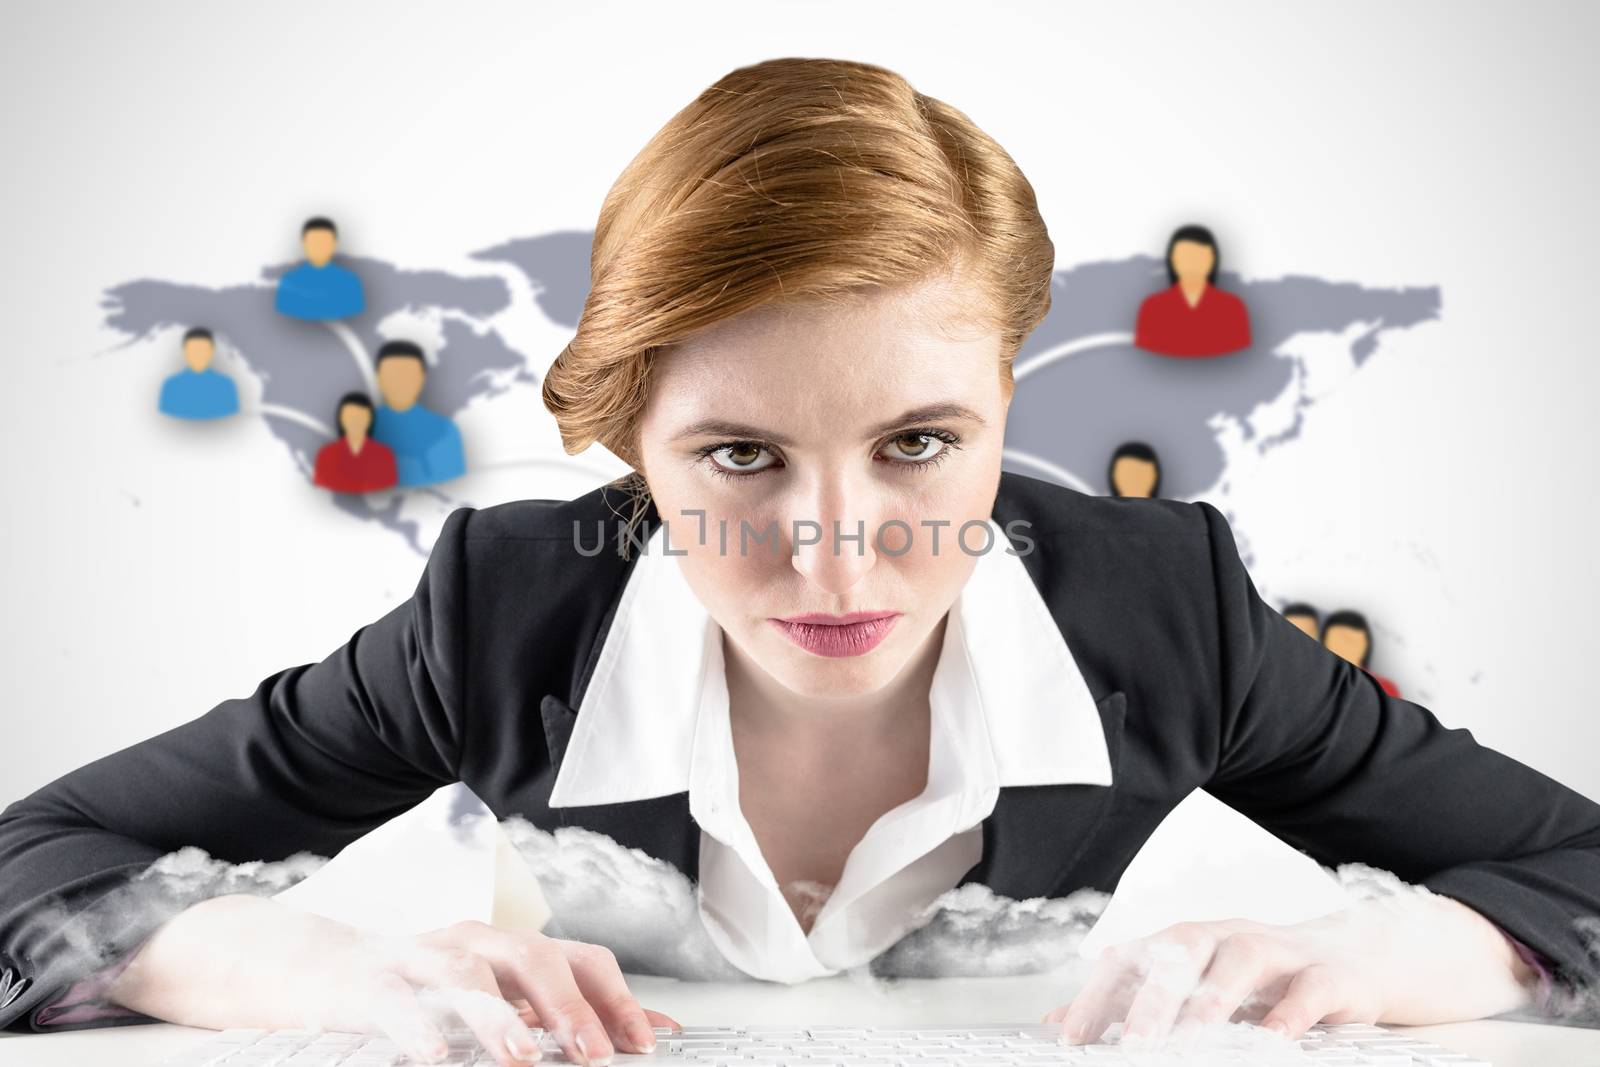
point(558, 719)
point(1036, 834)
point(659, 826)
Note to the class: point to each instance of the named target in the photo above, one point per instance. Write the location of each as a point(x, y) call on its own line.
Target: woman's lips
point(838, 635)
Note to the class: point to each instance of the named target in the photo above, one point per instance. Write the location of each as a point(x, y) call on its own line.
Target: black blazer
point(1199, 684)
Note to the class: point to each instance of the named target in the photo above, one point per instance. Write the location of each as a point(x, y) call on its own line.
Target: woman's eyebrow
point(925, 413)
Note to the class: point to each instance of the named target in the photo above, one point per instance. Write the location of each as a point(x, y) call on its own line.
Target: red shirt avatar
point(345, 471)
point(1216, 325)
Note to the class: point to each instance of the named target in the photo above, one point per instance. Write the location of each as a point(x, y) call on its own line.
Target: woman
point(1134, 471)
point(1192, 318)
point(355, 463)
point(807, 293)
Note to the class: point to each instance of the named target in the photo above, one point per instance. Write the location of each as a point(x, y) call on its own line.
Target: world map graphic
point(1082, 387)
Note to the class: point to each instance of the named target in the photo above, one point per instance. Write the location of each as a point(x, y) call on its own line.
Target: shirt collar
point(1004, 668)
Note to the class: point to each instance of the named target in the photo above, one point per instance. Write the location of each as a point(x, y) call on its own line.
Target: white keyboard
point(1030, 1045)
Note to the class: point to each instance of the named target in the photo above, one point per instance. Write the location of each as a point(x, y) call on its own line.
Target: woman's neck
point(1192, 290)
point(760, 705)
point(355, 441)
point(816, 774)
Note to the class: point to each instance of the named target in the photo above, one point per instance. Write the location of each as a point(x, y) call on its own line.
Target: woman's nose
point(834, 545)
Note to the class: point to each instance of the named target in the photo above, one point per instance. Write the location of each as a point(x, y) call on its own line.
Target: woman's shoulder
point(1134, 551)
point(1224, 298)
point(1132, 584)
point(1057, 510)
point(552, 546)
point(1159, 299)
point(526, 579)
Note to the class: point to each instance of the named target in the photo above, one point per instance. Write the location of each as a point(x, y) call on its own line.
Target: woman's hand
point(1410, 958)
point(245, 961)
point(573, 990)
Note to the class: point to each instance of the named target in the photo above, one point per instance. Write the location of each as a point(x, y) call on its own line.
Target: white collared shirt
point(1008, 707)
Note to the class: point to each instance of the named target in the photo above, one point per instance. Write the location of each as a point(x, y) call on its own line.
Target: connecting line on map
point(1077, 346)
point(1061, 474)
point(278, 411)
point(358, 352)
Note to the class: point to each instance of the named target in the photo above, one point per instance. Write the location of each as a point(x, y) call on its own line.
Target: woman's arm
point(1314, 750)
point(317, 756)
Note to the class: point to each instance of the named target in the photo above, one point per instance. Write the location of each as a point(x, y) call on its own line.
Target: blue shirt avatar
point(426, 445)
point(320, 293)
point(192, 394)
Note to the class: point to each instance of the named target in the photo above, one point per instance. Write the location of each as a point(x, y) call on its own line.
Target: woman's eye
point(914, 448)
point(739, 459)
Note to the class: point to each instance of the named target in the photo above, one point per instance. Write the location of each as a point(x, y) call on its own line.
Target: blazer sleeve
point(1315, 751)
point(317, 756)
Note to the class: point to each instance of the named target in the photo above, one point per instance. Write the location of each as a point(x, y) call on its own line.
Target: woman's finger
point(1242, 964)
point(539, 968)
point(1172, 971)
point(658, 1019)
point(594, 968)
point(1313, 993)
point(394, 1011)
point(1103, 997)
point(463, 982)
point(487, 1015)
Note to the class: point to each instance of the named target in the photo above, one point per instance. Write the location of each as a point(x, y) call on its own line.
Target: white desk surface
point(840, 1000)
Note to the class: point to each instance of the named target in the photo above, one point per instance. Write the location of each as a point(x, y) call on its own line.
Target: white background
point(1446, 488)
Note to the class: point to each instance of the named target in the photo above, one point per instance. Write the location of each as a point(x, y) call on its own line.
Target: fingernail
point(590, 1059)
point(1278, 1026)
point(642, 1036)
point(523, 1047)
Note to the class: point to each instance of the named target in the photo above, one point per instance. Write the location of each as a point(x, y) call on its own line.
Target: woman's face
point(816, 424)
point(1132, 476)
point(1192, 261)
point(1348, 642)
point(355, 420)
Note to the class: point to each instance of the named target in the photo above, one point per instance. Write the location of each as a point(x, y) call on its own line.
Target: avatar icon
point(426, 445)
point(1305, 617)
point(355, 463)
point(1347, 634)
point(1135, 470)
point(320, 290)
point(199, 391)
point(1192, 318)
